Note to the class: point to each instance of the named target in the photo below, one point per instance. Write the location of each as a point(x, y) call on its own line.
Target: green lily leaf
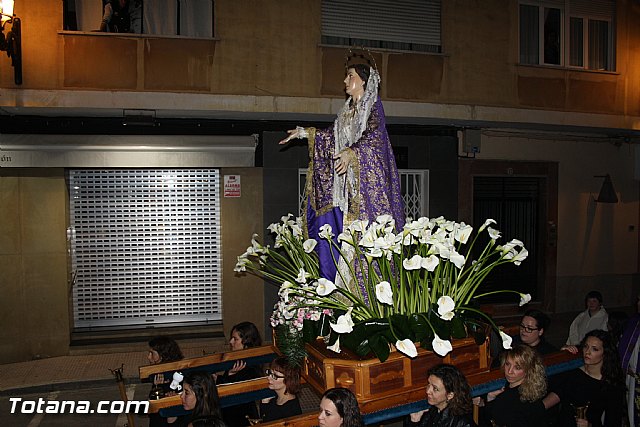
point(324, 329)
point(419, 327)
point(309, 330)
point(373, 326)
point(441, 327)
point(477, 330)
point(427, 344)
point(401, 326)
point(457, 328)
point(357, 341)
point(380, 346)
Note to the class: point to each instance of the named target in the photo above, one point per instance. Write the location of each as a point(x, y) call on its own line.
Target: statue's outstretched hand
point(298, 132)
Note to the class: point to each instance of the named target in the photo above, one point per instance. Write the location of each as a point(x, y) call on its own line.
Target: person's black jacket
point(433, 418)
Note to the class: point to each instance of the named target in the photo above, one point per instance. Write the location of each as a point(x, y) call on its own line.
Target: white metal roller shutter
point(405, 21)
point(145, 246)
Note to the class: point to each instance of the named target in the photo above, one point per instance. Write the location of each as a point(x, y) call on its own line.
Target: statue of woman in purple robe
point(352, 172)
point(629, 349)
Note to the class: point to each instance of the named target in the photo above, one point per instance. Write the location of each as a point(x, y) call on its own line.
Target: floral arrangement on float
point(419, 285)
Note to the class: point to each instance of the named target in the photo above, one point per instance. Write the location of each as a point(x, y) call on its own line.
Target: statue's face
point(354, 85)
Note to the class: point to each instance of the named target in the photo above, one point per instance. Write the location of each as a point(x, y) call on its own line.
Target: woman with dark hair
point(162, 349)
point(352, 172)
point(519, 402)
point(339, 408)
point(594, 390)
point(449, 395)
point(284, 379)
point(200, 396)
point(243, 335)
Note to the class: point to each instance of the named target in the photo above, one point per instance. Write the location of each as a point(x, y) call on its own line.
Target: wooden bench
point(230, 394)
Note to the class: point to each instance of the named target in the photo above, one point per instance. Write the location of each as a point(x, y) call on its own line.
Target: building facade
point(518, 109)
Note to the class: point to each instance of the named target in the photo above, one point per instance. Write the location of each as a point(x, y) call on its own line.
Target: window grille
point(145, 247)
point(414, 186)
point(401, 25)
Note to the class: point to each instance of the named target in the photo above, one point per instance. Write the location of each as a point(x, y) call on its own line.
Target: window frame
point(71, 20)
point(565, 36)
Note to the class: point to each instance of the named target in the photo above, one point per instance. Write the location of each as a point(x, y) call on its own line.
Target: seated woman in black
point(243, 335)
point(449, 395)
point(284, 379)
point(162, 349)
point(597, 386)
point(519, 403)
point(200, 396)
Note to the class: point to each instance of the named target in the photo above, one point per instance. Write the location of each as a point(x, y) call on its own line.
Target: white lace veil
point(348, 128)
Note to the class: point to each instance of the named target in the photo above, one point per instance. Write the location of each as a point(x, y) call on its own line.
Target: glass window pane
point(598, 45)
point(529, 34)
point(552, 33)
point(576, 42)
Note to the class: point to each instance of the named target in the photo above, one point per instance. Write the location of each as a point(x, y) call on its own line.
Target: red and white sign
point(232, 187)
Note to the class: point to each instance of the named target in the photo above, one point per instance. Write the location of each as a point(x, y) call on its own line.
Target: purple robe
point(376, 191)
point(626, 347)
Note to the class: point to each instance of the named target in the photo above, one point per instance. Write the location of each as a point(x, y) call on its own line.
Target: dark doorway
point(523, 198)
point(515, 204)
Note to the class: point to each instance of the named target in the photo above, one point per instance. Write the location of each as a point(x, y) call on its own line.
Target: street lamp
point(11, 43)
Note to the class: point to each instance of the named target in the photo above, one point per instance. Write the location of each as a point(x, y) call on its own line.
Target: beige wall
point(34, 308)
point(265, 48)
point(36, 302)
point(243, 296)
point(597, 242)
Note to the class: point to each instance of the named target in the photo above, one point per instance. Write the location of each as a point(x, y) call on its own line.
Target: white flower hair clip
point(177, 379)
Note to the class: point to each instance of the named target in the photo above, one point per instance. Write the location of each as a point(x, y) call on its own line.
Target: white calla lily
point(407, 347)
point(326, 232)
point(520, 256)
point(493, 233)
point(487, 223)
point(506, 340)
point(302, 276)
point(359, 225)
point(457, 259)
point(446, 305)
point(430, 263)
point(384, 293)
point(335, 347)
point(412, 263)
point(524, 299)
point(346, 237)
point(462, 233)
point(325, 287)
point(344, 324)
point(309, 245)
point(440, 346)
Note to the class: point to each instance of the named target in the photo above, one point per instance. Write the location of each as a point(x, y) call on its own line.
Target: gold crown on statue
point(364, 56)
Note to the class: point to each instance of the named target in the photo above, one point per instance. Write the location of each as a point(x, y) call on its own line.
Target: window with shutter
point(412, 25)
